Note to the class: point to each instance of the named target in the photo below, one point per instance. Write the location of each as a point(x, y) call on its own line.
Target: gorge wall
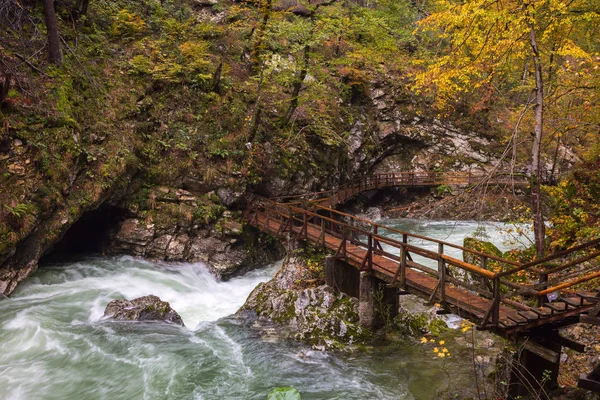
point(162, 127)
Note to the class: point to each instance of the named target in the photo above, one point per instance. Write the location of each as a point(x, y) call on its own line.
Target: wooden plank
point(571, 344)
point(420, 279)
point(529, 316)
point(589, 384)
point(589, 320)
point(572, 301)
point(543, 352)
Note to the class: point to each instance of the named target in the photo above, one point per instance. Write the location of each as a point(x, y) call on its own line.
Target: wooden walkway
point(491, 300)
point(331, 198)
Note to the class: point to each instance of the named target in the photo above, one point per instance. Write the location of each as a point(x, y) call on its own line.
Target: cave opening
point(89, 235)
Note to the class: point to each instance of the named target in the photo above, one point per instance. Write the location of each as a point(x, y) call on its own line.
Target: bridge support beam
point(342, 276)
point(535, 369)
point(376, 302)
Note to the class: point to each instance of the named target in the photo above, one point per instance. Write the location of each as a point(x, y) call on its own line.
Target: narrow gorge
point(214, 169)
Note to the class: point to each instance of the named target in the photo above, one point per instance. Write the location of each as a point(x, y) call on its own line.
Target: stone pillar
point(342, 276)
point(366, 301)
point(371, 312)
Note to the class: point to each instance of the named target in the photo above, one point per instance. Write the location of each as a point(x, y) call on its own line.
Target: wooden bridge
point(494, 293)
point(331, 198)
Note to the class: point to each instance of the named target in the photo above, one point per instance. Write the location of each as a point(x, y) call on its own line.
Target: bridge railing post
point(496, 302)
point(344, 238)
point(403, 257)
point(268, 216)
point(323, 232)
point(304, 225)
point(541, 284)
point(370, 253)
point(442, 271)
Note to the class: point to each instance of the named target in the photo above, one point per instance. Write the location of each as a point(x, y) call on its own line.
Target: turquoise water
point(55, 344)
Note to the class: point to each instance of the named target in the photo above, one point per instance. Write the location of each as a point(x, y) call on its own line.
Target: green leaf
point(284, 393)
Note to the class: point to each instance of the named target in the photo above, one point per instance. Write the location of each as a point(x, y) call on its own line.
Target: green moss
point(413, 324)
point(437, 326)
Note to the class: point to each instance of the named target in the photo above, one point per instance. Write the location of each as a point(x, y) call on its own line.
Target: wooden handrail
point(421, 237)
point(569, 283)
point(275, 207)
point(315, 220)
point(550, 257)
point(413, 178)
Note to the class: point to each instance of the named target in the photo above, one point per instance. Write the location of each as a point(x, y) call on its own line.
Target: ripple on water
point(54, 343)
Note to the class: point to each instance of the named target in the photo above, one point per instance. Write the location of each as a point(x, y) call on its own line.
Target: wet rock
point(158, 248)
point(205, 3)
point(225, 264)
point(318, 315)
point(176, 248)
point(147, 308)
point(228, 197)
point(135, 231)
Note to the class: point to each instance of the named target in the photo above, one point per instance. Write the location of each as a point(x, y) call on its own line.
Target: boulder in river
point(147, 308)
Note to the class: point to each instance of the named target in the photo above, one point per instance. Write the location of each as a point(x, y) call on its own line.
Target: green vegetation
point(284, 393)
point(239, 94)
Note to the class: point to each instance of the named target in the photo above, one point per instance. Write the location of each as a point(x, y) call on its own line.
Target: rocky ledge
point(147, 308)
point(316, 314)
point(174, 224)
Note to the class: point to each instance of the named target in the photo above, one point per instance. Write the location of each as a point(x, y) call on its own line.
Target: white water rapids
point(54, 343)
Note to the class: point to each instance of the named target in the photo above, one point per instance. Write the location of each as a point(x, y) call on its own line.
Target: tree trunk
point(80, 8)
point(298, 86)
point(216, 79)
point(55, 55)
point(538, 217)
point(256, 55)
point(4, 87)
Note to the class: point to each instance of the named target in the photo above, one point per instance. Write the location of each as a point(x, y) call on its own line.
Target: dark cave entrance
point(88, 235)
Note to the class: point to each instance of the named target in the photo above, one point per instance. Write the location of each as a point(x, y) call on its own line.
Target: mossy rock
point(147, 308)
point(481, 246)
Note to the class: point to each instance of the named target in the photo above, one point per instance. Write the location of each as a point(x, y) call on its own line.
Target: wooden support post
point(403, 257)
point(442, 272)
point(543, 279)
point(496, 303)
point(535, 367)
point(304, 226)
point(370, 253)
point(341, 251)
point(268, 217)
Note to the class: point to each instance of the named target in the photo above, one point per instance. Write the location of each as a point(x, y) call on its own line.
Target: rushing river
point(54, 343)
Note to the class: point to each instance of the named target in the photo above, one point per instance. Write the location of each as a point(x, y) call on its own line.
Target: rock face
point(223, 245)
point(147, 308)
point(318, 315)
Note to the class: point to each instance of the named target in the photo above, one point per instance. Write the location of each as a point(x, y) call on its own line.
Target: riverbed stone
point(318, 315)
point(147, 308)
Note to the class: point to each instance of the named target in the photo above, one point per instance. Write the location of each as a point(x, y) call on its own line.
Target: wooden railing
point(368, 246)
point(383, 180)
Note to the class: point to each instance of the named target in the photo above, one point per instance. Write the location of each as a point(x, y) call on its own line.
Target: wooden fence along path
point(492, 300)
point(331, 198)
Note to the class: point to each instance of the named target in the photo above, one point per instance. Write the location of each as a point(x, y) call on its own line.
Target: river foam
point(55, 343)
